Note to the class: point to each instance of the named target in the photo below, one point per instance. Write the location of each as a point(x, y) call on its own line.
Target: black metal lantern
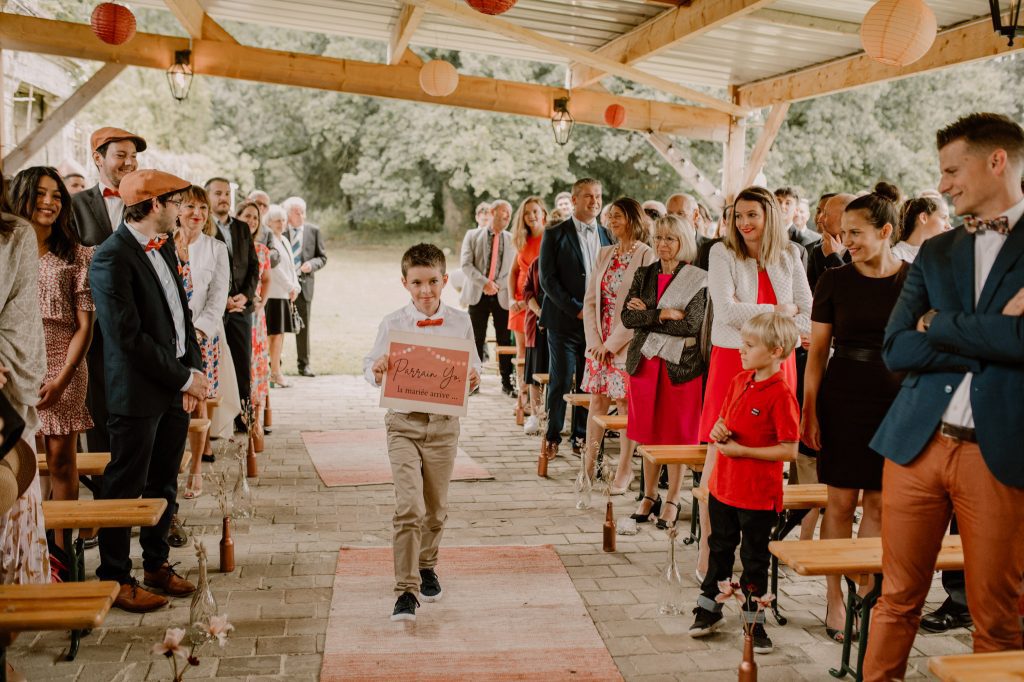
point(179, 75)
point(562, 121)
point(1014, 28)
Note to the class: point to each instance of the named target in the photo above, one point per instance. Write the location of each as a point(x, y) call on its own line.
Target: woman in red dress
point(527, 231)
point(754, 269)
point(65, 303)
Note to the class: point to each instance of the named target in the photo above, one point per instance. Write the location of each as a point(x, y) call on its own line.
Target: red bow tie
point(155, 244)
point(107, 192)
point(436, 322)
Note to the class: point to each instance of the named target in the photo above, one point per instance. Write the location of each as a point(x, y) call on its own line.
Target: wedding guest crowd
point(911, 331)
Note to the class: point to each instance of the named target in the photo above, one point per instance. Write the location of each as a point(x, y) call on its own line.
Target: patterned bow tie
point(1000, 224)
point(155, 244)
point(107, 192)
point(436, 322)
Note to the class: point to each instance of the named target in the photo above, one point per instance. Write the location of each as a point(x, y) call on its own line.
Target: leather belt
point(955, 432)
point(857, 353)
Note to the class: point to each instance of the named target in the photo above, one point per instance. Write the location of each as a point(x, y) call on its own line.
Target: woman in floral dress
point(604, 375)
point(250, 213)
point(65, 303)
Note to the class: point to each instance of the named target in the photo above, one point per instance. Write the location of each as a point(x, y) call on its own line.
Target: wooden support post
point(401, 33)
point(772, 124)
point(690, 174)
point(60, 117)
point(733, 154)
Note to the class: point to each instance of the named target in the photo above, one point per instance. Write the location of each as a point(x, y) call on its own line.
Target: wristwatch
point(926, 319)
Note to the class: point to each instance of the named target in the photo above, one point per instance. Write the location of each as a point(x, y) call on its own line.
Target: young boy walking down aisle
point(421, 446)
point(757, 431)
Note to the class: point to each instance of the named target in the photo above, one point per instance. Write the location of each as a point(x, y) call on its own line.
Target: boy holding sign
point(421, 444)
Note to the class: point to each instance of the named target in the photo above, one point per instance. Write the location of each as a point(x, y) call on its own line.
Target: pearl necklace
point(618, 249)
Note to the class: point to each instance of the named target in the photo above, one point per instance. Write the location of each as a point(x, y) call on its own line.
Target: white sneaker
point(532, 426)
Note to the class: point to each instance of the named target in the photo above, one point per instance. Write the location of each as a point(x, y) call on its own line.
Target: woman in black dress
point(845, 402)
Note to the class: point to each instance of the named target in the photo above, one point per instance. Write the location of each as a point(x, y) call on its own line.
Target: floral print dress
point(209, 347)
point(260, 347)
point(609, 379)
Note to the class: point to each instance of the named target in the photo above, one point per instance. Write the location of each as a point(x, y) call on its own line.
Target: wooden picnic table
point(854, 557)
point(1002, 666)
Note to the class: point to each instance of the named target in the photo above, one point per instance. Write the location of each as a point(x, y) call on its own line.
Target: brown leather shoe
point(133, 598)
point(551, 450)
point(166, 579)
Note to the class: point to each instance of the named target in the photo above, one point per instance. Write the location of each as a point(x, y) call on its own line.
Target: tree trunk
point(458, 215)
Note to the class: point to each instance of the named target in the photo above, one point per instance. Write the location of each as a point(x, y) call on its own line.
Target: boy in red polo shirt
point(758, 430)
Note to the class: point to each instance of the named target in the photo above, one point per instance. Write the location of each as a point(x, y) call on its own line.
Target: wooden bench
point(577, 399)
point(611, 422)
point(67, 515)
point(691, 457)
point(854, 557)
point(89, 463)
point(54, 606)
point(542, 378)
point(1002, 666)
point(198, 434)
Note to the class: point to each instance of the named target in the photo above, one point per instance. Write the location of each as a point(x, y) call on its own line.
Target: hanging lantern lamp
point(179, 75)
point(112, 23)
point(438, 78)
point(1014, 28)
point(898, 32)
point(562, 121)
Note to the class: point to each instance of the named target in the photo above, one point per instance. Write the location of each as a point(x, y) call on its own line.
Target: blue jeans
point(565, 358)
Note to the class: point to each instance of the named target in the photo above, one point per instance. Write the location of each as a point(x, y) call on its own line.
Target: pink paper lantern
point(491, 6)
point(438, 78)
point(898, 32)
point(112, 23)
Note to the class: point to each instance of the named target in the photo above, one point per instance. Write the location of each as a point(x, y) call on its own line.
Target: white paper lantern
point(898, 32)
point(438, 78)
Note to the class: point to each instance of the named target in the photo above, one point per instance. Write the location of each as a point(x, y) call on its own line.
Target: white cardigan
point(283, 280)
point(208, 261)
point(732, 284)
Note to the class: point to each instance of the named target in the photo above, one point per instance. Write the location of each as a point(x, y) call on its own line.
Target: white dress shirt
point(115, 206)
point(456, 324)
point(295, 235)
point(170, 288)
point(590, 243)
point(225, 231)
point(986, 247)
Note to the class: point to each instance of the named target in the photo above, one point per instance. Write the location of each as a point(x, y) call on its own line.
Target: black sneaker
point(430, 586)
point(510, 391)
point(705, 622)
point(405, 607)
point(762, 642)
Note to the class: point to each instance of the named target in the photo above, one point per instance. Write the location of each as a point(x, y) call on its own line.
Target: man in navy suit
point(154, 378)
point(954, 437)
point(568, 253)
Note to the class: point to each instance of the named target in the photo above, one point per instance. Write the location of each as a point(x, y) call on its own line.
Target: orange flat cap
point(140, 185)
point(105, 135)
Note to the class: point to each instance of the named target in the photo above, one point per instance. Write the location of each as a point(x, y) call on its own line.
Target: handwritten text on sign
point(427, 373)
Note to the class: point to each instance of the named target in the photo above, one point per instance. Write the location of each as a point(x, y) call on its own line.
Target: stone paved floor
point(279, 595)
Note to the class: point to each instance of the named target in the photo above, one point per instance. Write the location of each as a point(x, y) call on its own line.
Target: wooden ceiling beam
point(966, 43)
point(772, 125)
point(401, 33)
point(555, 46)
point(667, 30)
point(196, 22)
point(229, 60)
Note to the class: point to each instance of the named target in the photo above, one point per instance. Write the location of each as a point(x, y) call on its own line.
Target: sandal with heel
point(655, 509)
point(194, 487)
point(662, 524)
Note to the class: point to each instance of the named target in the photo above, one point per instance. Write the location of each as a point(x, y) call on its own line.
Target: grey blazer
point(313, 252)
point(91, 216)
point(476, 251)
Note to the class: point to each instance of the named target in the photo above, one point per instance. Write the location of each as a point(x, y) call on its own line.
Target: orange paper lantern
point(615, 115)
point(113, 23)
point(491, 6)
point(898, 32)
point(438, 78)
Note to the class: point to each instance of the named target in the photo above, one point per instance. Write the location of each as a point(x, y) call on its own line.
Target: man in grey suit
point(98, 211)
point(487, 257)
point(309, 255)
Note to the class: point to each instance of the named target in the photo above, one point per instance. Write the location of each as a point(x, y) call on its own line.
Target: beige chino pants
point(422, 450)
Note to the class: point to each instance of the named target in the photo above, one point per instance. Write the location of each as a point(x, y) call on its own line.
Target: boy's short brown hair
point(774, 331)
point(423, 255)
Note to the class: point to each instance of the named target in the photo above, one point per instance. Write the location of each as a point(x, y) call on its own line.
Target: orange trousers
point(917, 500)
